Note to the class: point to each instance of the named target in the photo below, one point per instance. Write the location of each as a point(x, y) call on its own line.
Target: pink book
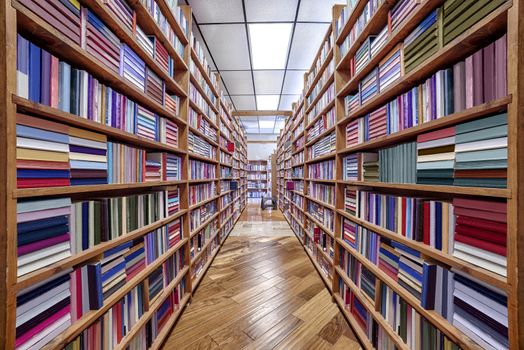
point(41, 326)
point(437, 135)
point(459, 87)
point(478, 86)
point(469, 81)
point(42, 214)
point(497, 207)
point(32, 247)
point(54, 82)
point(474, 213)
point(489, 72)
point(501, 66)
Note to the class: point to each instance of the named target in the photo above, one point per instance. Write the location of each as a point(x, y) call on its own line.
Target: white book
point(40, 308)
point(88, 157)
point(482, 307)
point(30, 206)
point(77, 141)
point(44, 257)
point(480, 262)
point(48, 334)
point(436, 157)
point(480, 337)
point(45, 298)
point(500, 142)
point(22, 84)
point(23, 142)
point(84, 93)
point(481, 253)
point(480, 298)
point(446, 141)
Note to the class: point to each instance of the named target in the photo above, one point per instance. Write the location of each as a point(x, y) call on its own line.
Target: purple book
point(501, 66)
point(478, 86)
point(32, 247)
point(489, 72)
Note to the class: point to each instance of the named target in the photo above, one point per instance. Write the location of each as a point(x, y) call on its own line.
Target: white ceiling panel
point(294, 82)
point(286, 101)
point(305, 45)
point(244, 102)
point(270, 10)
point(266, 130)
point(228, 45)
point(317, 10)
point(217, 11)
point(268, 81)
point(238, 82)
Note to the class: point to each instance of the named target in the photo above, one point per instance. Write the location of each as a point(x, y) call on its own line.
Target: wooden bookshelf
point(258, 178)
point(506, 18)
point(18, 18)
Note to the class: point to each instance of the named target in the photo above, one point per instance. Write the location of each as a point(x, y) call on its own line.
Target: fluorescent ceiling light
point(266, 124)
point(267, 102)
point(266, 131)
point(269, 44)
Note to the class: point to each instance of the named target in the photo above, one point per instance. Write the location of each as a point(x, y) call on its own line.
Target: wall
point(260, 151)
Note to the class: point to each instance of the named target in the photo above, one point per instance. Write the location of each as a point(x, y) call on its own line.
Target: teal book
point(484, 123)
point(491, 164)
point(484, 134)
point(485, 155)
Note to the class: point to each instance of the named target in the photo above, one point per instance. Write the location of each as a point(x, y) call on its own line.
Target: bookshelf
point(396, 216)
point(131, 92)
point(258, 178)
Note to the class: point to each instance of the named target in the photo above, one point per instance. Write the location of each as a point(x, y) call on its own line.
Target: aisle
point(262, 292)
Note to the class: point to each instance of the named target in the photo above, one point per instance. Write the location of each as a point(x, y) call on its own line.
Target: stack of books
point(363, 54)
point(389, 260)
point(459, 16)
point(436, 157)
point(421, 43)
point(122, 11)
point(324, 215)
point(322, 147)
point(355, 132)
point(198, 216)
point(398, 163)
point(43, 312)
point(369, 166)
point(64, 16)
point(154, 167)
point(172, 104)
point(401, 11)
point(173, 164)
point(350, 200)
point(173, 201)
point(411, 269)
point(369, 86)
point(352, 102)
point(379, 41)
point(125, 163)
point(481, 312)
point(156, 283)
point(132, 67)
point(87, 157)
point(322, 170)
point(481, 233)
point(375, 124)
point(482, 152)
point(113, 270)
point(156, 243)
point(43, 232)
point(147, 124)
point(143, 40)
point(200, 146)
point(174, 232)
point(135, 259)
point(198, 122)
point(100, 41)
point(42, 153)
point(168, 132)
point(390, 68)
point(160, 53)
point(155, 87)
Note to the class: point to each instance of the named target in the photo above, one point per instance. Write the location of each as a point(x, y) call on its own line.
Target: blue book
point(94, 273)
point(412, 272)
point(40, 134)
point(42, 174)
point(113, 271)
point(85, 225)
point(45, 80)
point(81, 182)
point(405, 249)
point(39, 235)
point(64, 87)
point(25, 227)
point(22, 67)
point(35, 61)
point(117, 249)
point(84, 164)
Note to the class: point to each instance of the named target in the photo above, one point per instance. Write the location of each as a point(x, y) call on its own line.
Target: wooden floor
point(261, 292)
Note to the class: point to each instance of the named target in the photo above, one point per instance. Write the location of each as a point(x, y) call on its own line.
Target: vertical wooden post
point(8, 255)
point(516, 173)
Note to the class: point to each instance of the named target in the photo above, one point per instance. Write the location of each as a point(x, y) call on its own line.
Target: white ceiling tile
point(317, 10)
point(286, 101)
point(217, 11)
point(228, 44)
point(294, 82)
point(271, 10)
point(238, 82)
point(307, 40)
point(243, 103)
point(249, 119)
point(269, 44)
point(268, 82)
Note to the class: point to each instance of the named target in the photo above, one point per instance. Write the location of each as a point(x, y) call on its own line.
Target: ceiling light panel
point(306, 41)
point(228, 45)
point(286, 102)
point(267, 131)
point(244, 102)
point(266, 124)
point(217, 11)
point(271, 10)
point(269, 44)
point(294, 82)
point(317, 10)
point(238, 82)
point(267, 102)
point(268, 81)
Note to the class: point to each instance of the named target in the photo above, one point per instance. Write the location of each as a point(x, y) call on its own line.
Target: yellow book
point(50, 156)
point(85, 134)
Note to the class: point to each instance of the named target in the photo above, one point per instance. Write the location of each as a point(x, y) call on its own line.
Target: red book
point(483, 224)
point(31, 183)
point(488, 72)
point(498, 207)
point(478, 86)
point(427, 224)
point(403, 232)
point(490, 236)
point(490, 247)
point(231, 147)
point(474, 213)
point(316, 234)
point(54, 82)
point(436, 135)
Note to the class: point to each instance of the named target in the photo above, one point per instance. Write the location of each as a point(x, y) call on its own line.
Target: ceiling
point(261, 49)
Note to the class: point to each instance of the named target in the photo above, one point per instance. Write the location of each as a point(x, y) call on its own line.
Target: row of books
point(319, 62)
point(346, 12)
point(299, 143)
point(201, 214)
point(199, 170)
point(225, 172)
point(201, 192)
point(200, 52)
point(322, 81)
point(199, 240)
point(297, 159)
point(297, 172)
point(327, 97)
point(201, 81)
point(322, 192)
point(325, 145)
point(202, 103)
point(324, 215)
point(326, 122)
point(256, 167)
point(201, 147)
point(324, 170)
point(198, 122)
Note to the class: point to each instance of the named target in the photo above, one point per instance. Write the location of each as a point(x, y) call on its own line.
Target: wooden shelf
point(177, 28)
point(157, 344)
point(477, 272)
point(352, 19)
point(321, 158)
point(203, 225)
point(196, 282)
point(199, 204)
point(436, 189)
point(319, 224)
point(199, 111)
point(325, 64)
point(92, 316)
point(206, 137)
point(362, 337)
point(321, 135)
point(437, 320)
point(482, 110)
point(319, 115)
point(202, 91)
point(202, 158)
point(203, 71)
point(204, 248)
point(329, 206)
point(394, 38)
point(77, 190)
point(327, 280)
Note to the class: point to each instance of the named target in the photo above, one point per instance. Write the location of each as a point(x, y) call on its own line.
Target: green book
point(485, 134)
point(484, 155)
point(484, 123)
point(490, 164)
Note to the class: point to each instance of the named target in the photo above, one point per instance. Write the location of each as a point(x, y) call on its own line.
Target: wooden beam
point(262, 113)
